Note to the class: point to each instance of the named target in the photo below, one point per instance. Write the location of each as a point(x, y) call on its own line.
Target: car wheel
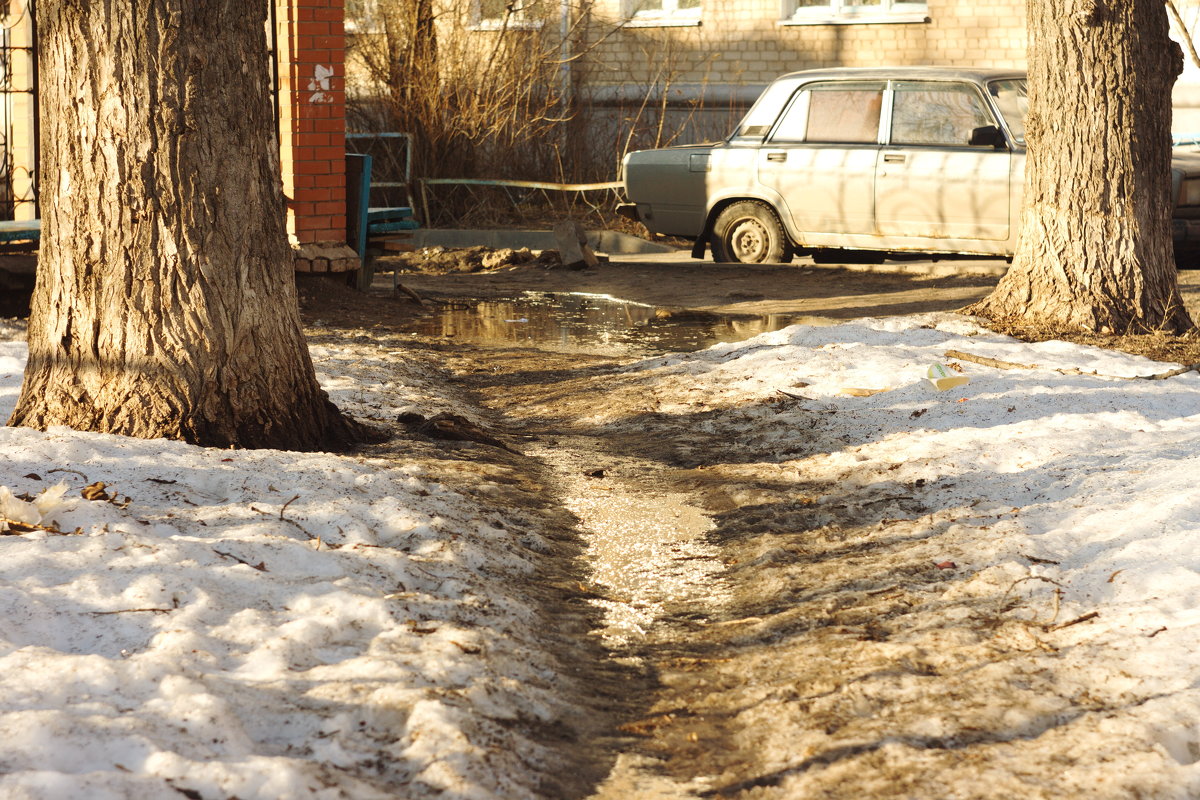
point(749, 232)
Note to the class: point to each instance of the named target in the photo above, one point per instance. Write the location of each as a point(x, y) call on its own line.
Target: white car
point(909, 159)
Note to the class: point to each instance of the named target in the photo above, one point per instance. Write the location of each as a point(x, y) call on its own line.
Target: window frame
point(971, 88)
point(520, 19)
point(801, 95)
point(838, 12)
point(663, 17)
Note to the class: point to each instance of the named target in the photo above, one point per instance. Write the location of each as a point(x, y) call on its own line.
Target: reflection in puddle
point(591, 323)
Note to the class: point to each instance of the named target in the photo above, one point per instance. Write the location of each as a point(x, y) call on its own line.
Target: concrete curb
point(927, 267)
point(600, 241)
point(624, 247)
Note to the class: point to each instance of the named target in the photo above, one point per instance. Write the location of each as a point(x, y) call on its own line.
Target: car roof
point(976, 75)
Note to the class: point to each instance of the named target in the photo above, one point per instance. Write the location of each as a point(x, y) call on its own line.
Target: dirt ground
point(676, 282)
point(743, 642)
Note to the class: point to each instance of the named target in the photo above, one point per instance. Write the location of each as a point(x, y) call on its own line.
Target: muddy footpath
point(749, 631)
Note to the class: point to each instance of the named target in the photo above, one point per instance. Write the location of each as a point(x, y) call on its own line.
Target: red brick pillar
point(312, 121)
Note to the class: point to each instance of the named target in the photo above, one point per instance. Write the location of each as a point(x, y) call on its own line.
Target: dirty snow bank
point(265, 625)
point(1075, 492)
point(261, 624)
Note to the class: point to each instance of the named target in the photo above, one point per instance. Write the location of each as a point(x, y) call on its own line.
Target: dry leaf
point(95, 491)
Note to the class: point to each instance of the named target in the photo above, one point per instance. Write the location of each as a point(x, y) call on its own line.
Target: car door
point(821, 156)
point(931, 180)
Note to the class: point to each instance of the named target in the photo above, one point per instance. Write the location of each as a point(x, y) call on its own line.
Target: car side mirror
point(988, 136)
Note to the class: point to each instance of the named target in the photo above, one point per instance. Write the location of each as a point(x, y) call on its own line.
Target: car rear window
point(844, 113)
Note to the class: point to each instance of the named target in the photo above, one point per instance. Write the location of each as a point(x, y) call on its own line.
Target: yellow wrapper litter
point(943, 378)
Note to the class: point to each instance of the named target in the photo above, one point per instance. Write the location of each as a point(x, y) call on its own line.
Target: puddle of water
point(590, 323)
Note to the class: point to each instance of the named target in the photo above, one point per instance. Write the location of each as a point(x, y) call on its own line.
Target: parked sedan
point(916, 159)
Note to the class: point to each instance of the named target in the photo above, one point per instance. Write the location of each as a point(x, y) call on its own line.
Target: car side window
point(936, 113)
point(834, 113)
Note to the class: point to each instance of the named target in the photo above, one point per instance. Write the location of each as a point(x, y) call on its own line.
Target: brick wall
point(744, 43)
point(313, 117)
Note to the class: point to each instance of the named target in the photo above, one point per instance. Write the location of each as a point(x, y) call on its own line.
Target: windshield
point(1012, 98)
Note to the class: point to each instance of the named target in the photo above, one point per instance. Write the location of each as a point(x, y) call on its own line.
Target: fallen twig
point(282, 518)
point(1160, 376)
point(1088, 616)
point(1042, 578)
point(998, 364)
point(400, 287)
point(132, 611)
point(288, 503)
point(988, 362)
point(72, 471)
point(260, 566)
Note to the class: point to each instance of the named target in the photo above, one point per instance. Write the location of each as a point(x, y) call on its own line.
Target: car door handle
point(777, 156)
point(894, 158)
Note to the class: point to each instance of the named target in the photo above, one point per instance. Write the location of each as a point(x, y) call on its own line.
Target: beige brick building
point(749, 42)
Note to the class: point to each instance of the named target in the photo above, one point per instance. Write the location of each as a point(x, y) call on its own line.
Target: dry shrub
point(511, 103)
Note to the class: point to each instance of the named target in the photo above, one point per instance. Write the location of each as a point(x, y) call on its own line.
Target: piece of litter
point(853, 392)
point(522, 319)
point(942, 377)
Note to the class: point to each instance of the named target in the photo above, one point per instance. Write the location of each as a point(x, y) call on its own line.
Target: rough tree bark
point(165, 304)
point(1095, 250)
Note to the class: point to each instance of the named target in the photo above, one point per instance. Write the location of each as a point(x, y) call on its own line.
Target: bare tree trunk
point(166, 303)
point(1095, 249)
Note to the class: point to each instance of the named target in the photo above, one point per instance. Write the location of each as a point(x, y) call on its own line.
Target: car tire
point(749, 232)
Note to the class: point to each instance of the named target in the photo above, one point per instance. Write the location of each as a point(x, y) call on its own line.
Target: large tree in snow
point(1095, 250)
point(165, 303)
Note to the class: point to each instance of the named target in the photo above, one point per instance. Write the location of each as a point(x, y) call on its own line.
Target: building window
point(499, 14)
point(662, 12)
point(362, 17)
point(841, 12)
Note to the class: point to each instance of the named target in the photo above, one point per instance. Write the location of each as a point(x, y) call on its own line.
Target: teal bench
point(371, 231)
point(20, 235)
